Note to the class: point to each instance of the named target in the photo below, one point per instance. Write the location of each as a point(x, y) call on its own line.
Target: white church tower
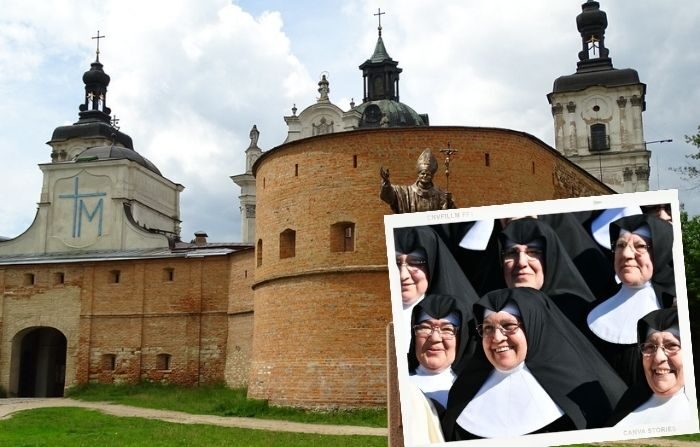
point(98, 193)
point(247, 183)
point(598, 111)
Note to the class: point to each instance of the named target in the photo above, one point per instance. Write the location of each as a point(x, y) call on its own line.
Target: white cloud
point(190, 78)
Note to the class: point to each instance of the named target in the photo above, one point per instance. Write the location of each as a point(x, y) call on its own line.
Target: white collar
point(477, 238)
point(434, 385)
point(660, 410)
point(509, 403)
point(615, 319)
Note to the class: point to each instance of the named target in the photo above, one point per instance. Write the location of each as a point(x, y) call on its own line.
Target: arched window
point(599, 139)
point(343, 236)
point(288, 240)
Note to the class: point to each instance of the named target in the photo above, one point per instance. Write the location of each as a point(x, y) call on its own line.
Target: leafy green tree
point(691, 172)
point(690, 227)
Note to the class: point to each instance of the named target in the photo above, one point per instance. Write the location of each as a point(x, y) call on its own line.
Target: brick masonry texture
point(143, 315)
point(321, 316)
point(308, 330)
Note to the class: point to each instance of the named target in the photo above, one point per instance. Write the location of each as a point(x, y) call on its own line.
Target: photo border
point(557, 206)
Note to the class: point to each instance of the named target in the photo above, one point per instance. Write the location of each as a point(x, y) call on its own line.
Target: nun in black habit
point(562, 281)
point(661, 398)
point(644, 263)
point(435, 359)
point(560, 383)
point(474, 245)
point(422, 248)
point(591, 260)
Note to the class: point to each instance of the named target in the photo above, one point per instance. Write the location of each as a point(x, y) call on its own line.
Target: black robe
point(444, 275)
point(482, 267)
point(593, 262)
point(640, 392)
point(563, 282)
point(624, 358)
point(439, 306)
point(560, 358)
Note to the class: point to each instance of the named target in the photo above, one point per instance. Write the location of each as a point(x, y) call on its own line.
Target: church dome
point(389, 113)
point(591, 17)
point(96, 75)
point(100, 153)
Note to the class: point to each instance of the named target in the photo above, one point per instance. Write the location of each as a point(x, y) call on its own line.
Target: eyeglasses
point(489, 330)
point(637, 247)
point(649, 349)
point(513, 254)
point(412, 264)
point(447, 332)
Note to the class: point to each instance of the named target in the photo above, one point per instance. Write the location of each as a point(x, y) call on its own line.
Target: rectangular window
point(114, 276)
point(59, 278)
point(168, 274)
point(28, 279)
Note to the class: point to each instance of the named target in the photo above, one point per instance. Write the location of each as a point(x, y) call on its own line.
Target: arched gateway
point(38, 366)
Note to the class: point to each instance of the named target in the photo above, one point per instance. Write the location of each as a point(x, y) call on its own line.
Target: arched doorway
point(40, 354)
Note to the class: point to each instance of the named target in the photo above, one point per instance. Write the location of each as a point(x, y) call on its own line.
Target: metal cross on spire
point(379, 15)
point(98, 37)
point(448, 153)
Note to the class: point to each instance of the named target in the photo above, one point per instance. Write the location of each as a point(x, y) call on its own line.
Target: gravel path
point(10, 406)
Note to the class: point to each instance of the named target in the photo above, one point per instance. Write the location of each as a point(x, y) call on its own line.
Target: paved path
point(10, 406)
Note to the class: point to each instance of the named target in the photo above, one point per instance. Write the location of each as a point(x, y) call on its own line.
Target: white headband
point(675, 330)
point(643, 231)
point(452, 318)
point(417, 253)
point(535, 243)
point(510, 307)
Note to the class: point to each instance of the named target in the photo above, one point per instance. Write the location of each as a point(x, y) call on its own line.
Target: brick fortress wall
point(321, 314)
point(183, 308)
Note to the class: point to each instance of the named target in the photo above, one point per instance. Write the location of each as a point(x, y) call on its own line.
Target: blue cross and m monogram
point(80, 209)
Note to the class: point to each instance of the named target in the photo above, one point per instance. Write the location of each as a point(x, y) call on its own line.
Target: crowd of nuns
point(540, 324)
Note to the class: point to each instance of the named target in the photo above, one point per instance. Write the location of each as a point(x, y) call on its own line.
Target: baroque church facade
point(101, 288)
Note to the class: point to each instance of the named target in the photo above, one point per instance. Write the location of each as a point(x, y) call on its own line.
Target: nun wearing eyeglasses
point(443, 339)
point(644, 264)
point(661, 397)
point(536, 373)
point(533, 256)
point(425, 265)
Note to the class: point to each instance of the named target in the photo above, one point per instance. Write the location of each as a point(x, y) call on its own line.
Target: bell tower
point(597, 111)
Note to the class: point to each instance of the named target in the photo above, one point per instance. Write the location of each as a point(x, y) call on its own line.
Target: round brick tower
point(321, 291)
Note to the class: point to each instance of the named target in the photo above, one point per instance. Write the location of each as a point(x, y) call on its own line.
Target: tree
point(690, 228)
point(691, 172)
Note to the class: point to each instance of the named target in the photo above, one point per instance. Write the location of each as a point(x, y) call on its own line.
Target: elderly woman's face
point(436, 344)
point(506, 350)
point(413, 271)
point(523, 266)
point(664, 373)
point(633, 263)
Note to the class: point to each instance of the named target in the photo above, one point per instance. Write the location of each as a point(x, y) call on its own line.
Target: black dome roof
point(116, 153)
point(397, 113)
point(607, 78)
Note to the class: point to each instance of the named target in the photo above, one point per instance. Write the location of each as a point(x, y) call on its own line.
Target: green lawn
point(221, 401)
point(77, 427)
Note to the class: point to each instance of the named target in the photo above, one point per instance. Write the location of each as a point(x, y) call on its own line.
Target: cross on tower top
point(379, 15)
point(98, 37)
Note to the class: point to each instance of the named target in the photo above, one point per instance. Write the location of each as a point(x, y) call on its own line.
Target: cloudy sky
point(191, 77)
